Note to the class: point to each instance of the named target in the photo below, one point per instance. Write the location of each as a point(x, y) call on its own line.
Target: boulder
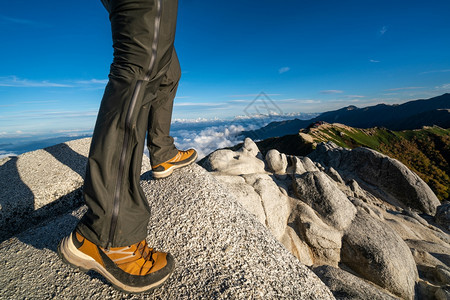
point(440, 251)
point(334, 175)
point(251, 149)
point(323, 240)
point(345, 285)
point(374, 251)
point(443, 293)
point(442, 216)
point(300, 165)
point(321, 193)
point(415, 230)
point(297, 247)
point(425, 259)
point(408, 212)
point(247, 160)
point(383, 176)
point(443, 274)
point(358, 192)
point(426, 290)
point(43, 183)
point(233, 163)
point(245, 194)
point(275, 204)
point(276, 161)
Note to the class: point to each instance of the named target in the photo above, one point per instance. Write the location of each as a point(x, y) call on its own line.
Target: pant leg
point(160, 143)
point(143, 34)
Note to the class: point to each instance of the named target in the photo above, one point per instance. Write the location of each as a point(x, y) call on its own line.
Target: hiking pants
point(138, 100)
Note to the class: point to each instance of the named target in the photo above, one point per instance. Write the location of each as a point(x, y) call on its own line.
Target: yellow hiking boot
point(133, 269)
point(182, 159)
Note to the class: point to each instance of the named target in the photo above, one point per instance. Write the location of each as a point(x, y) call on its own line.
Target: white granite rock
point(323, 240)
point(384, 176)
point(247, 160)
point(321, 193)
point(276, 205)
point(345, 285)
point(276, 161)
point(373, 250)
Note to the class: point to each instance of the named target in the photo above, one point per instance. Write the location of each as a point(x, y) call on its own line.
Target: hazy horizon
point(203, 134)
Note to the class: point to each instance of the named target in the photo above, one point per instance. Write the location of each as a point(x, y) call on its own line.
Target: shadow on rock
point(39, 185)
point(50, 233)
point(13, 192)
point(22, 221)
point(64, 154)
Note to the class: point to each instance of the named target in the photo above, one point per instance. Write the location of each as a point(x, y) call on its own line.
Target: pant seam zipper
point(128, 127)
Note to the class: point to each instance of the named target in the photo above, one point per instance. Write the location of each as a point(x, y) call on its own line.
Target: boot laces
point(142, 250)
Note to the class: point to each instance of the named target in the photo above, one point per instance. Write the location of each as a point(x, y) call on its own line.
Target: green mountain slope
point(425, 151)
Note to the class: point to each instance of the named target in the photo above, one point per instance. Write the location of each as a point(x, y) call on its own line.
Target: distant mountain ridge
point(410, 115)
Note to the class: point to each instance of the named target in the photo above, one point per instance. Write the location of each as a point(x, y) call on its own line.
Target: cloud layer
point(14, 81)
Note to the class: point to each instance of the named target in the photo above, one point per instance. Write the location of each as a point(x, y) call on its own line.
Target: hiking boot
point(133, 269)
point(182, 159)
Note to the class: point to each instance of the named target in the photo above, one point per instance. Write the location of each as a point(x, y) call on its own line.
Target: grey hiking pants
point(138, 100)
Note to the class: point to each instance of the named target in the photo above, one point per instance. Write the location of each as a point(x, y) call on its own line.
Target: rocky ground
point(353, 224)
point(363, 222)
point(222, 251)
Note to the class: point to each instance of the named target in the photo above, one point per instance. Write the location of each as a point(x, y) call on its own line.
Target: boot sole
point(77, 259)
point(169, 171)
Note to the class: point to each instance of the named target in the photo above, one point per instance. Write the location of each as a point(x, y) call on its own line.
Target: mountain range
point(410, 115)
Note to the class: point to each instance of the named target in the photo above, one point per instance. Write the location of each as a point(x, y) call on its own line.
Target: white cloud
point(208, 139)
point(253, 95)
point(92, 81)
point(17, 20)
point(195, 121)
point(69, 114)
point(374, 61)
point(284, 70)
point(197, 104)
point(436, 71)
point(444, 87)
point(13, 81)
point(383, 30)
point(354, 96)
point(240, 101)
point(405, 88)
point(208, 135)
point(327, 92)
point(47, 115)
point(69, 131)
point(4, 154)
point(40, 102)
point(300, 101)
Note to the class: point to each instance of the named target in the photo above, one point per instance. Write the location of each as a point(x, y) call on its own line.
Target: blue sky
point(307, 56)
